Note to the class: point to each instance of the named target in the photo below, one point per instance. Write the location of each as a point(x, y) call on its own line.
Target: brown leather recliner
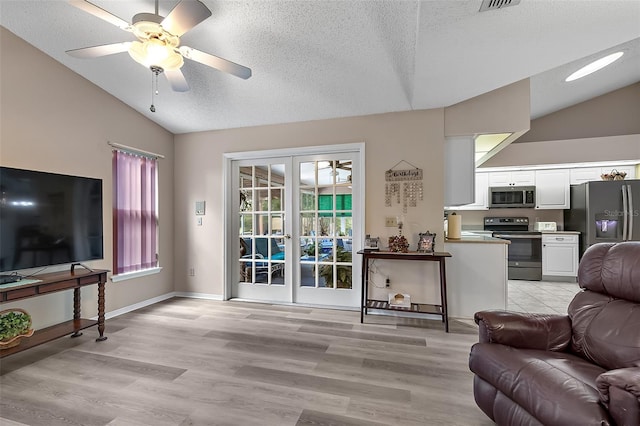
point(577, 369)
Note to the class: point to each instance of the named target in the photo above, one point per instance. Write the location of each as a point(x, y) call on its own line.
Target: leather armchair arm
point(620, 393)
point(525, 331)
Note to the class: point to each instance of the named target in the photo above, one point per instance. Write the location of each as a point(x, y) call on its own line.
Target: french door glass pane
point(262, 248)
point(325, 223)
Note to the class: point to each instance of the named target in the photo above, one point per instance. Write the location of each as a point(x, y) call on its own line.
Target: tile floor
point(542, 297)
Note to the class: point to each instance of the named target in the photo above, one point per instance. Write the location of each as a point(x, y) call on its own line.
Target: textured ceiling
point(324, 59)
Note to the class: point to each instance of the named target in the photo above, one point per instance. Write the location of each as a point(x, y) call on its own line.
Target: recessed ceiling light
point(595, 66)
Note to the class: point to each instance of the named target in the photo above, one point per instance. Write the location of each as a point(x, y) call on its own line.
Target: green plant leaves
point(14, 323)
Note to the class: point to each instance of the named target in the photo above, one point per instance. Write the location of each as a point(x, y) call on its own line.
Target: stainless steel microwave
point(512, 196)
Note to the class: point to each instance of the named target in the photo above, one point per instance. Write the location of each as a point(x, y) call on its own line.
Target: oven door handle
point(518, 237)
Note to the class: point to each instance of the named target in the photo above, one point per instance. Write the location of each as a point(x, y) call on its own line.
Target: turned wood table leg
point(443, 293)
point(76, 311)
point(101, 311)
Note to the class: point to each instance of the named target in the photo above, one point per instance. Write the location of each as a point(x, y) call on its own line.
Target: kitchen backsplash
point(473, 219)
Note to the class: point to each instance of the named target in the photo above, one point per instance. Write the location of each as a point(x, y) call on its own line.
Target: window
point(135, 212)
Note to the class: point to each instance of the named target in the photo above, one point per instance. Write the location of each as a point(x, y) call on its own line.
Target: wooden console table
point(421, 308)
point(51, 283)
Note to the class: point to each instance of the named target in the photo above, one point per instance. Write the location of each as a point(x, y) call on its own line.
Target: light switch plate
point(200, 205)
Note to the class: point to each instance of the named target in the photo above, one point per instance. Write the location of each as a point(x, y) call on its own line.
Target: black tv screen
point(48, 219)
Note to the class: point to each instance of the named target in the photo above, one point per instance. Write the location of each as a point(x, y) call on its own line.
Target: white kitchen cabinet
point(481, 194)
point(559, 257)
point(584, 174)
point(512, 178)
point(629, 170)
point(552, 189)
point(587, 174)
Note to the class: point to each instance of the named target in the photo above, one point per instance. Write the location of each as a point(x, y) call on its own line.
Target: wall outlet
point(390, 221)
point(192, 272)
point(387, 282)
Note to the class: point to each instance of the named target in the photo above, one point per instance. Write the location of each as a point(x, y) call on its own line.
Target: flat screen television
point(48, 219)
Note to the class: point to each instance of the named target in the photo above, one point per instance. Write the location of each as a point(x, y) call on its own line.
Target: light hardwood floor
point(200, 362)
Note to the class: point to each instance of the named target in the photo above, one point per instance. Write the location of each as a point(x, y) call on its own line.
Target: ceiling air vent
point(497, 4)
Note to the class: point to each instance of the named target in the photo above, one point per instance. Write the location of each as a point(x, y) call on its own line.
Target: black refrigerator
point(604, 211)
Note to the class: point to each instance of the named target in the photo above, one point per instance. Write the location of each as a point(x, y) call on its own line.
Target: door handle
point(625, 214)
point(631, 213)
point(287, 236)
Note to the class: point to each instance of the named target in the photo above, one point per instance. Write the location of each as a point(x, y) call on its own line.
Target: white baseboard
point(198, 295)
point(157, 299)
point(135, 306)
point(300, 305)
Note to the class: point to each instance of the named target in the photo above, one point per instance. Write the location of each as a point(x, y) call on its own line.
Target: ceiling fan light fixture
point(594, 66)
point(158, 47)
point(155, 52)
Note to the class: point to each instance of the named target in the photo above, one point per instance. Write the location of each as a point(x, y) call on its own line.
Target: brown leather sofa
point(577, 369)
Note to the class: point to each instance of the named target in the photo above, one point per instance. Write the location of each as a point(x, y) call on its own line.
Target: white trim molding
point(139, 305)
point(356, 148)
point(193, 295)
point(135, 274)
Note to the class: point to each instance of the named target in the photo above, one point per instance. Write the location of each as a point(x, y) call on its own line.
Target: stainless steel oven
point(524, 257)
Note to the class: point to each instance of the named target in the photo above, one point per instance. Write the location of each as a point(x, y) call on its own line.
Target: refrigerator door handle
point(630, 213)
point(625, 214)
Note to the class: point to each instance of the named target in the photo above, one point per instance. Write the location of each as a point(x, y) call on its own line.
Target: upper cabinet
point(512, 178)
point(586, 174)
point(629, 170)
point(552, 188)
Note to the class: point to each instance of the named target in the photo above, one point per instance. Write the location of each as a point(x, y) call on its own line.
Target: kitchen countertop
point(470, 237)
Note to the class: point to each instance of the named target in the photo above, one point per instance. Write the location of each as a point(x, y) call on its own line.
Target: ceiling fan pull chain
point(156, 83)
point(155, 70)
point(153, 107)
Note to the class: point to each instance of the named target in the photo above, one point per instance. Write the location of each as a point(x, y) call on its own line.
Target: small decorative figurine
point(398, 243)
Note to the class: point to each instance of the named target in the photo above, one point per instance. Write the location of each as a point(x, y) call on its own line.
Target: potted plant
point(344, 271)
point(310, 250)
point(14, 325)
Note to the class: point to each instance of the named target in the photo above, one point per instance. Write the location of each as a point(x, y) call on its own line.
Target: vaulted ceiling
point(325, 59)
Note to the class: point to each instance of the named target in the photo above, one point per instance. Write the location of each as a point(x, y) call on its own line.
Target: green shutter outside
point(343, 202)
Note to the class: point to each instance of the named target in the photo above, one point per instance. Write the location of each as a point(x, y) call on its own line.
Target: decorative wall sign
point(410, 174)
point(404, 186)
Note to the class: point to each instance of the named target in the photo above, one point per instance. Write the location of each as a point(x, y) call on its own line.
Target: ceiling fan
point(344, 165)
point(158, 47)
point(334, 167)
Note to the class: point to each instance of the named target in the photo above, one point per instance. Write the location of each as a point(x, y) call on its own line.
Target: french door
point(296, 224)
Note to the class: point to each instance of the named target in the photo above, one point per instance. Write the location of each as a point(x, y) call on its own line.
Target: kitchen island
point(476, 274)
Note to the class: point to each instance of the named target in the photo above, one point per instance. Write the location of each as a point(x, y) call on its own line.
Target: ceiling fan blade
point(177, 81)
point(216, 62)
point(99, 13)
point(102, 50)
point(183, 17)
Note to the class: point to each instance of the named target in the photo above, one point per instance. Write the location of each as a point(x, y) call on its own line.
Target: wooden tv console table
point(51, 283)
point(420, 308)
